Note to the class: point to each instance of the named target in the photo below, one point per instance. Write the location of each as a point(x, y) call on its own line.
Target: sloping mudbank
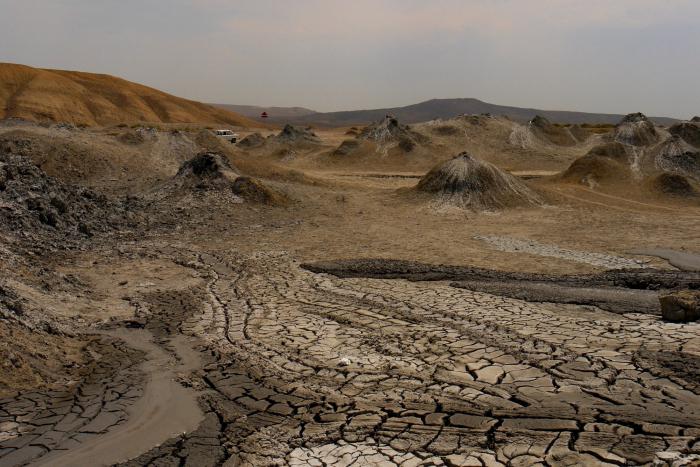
point(379, 268)
point(676, 156)
point(31, 202)
point(634, 162)
point(206, 170)
point(608, 162)
point(389, 130)
point(688, 131)
point(673, 185)
point(613, 299)
point(253, 140)
point(618, 291)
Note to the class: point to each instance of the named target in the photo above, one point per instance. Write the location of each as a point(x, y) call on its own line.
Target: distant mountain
point(254, 111)
point(440, 108)
point(94, 99)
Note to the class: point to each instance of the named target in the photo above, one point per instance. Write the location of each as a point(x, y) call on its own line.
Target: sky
point(615, 56)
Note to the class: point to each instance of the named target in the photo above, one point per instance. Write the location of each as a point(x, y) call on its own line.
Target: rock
point(680, 307)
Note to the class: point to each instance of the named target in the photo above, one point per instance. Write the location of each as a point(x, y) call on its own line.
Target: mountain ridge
point(440, 108)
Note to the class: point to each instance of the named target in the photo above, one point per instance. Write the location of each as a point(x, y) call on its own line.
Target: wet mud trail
point(165, 409)
point(133, 399)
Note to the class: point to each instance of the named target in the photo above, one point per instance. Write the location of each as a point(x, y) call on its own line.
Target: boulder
point(680, 307)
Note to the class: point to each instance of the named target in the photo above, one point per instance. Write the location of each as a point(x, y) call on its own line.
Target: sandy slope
point(94, 99)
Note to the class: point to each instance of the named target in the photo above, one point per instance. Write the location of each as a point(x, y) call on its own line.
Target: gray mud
point(683, 260)
point(378, 268)
point(615, 300)
point(617, 291)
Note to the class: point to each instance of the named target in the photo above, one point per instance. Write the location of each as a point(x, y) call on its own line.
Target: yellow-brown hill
point(94, 99)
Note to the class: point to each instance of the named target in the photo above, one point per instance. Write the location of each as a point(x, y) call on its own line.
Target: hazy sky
point(590, 55)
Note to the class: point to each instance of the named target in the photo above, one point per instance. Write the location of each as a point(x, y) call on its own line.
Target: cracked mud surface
point(301, 368)
point(315, 367)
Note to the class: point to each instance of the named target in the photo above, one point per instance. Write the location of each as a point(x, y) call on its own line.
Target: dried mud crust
point(34, 423)
point(310, 369)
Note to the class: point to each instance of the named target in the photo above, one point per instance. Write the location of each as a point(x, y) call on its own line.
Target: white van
point(227, 135)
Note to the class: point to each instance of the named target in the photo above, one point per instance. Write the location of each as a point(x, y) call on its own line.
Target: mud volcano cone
point(212, 172)
point(677, 156)
point(674, 185)
point(470, 183)
point(551, 133)
point(688, 131)
point(636, 129)
point(389, 130)
point(295, 134)
point(209, 167)
point(254, 140)
point(608, 162)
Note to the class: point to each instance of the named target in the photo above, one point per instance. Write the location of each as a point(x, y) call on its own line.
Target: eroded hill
point(95, 99)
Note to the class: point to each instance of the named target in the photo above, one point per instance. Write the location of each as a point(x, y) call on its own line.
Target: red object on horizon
point(263, 115)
